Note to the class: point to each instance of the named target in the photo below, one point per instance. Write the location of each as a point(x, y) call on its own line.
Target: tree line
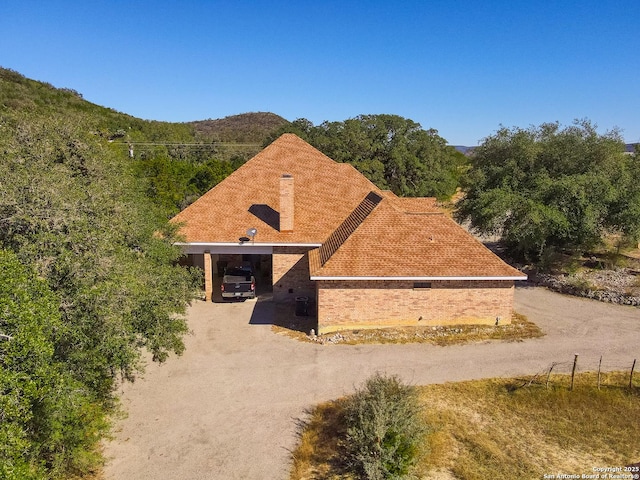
point(543, 190)
point(394, 152)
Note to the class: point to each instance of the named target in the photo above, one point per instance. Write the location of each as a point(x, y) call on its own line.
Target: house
point(367, 257)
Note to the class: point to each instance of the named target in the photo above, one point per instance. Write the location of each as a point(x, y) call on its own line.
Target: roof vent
point(350, 224)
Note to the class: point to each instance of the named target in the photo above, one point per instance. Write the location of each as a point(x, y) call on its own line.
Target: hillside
point(177, 162)
point(31, 98)
point(244, 128)
point(18, 93)
point(464, 150)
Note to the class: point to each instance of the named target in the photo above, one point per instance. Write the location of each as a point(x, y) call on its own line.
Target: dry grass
point(519, 329)
point(504, 429)
point(318, 453)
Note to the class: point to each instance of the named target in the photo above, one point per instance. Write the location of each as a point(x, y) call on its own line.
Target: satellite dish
point(252, 232)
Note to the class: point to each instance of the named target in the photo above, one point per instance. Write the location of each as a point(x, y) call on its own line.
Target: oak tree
point(393, 152)
point(552, 187)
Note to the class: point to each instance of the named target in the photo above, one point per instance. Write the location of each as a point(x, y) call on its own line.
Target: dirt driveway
point(227, 409)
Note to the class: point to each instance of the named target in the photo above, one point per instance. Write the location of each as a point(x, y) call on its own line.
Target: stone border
point(560, 285)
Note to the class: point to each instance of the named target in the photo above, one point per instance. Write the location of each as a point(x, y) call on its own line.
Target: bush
point(384, 429)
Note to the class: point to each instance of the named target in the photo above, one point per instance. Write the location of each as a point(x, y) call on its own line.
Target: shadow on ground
point(283, 315)
point(268, 312)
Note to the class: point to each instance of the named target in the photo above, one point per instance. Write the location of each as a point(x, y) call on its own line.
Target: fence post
point(549, 374)
point(599, 369)
point(631, 376)
point(573, 371)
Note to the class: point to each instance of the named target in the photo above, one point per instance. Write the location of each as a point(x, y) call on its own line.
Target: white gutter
point(244, 244)
point(524, 277)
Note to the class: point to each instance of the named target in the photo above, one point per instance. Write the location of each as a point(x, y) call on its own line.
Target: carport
point(213, 258)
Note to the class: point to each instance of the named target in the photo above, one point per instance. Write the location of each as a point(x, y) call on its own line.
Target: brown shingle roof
point(325, 193)
point(346, 228)
point(393, 243)
point(416, 204)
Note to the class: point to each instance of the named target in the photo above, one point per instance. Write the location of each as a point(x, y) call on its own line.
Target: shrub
point(384, 429)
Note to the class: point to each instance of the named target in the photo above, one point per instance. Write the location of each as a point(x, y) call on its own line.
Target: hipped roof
point(325, 193)
point(393, 242)
point(363, 231)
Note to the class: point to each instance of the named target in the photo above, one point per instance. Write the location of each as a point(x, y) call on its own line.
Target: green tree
point(73, 209)
point(50, 422)
point(624, 213)
point(88, 273)
point(393, 152)
point(208, 175)
point(166, 181)
point(173, 184)
point(550, 187)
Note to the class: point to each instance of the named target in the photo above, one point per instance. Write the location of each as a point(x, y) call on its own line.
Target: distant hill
point(34, 98)
point(463, 149)
point(629, 147)
point(252, 127)
point(177, 161)
point(18, 92)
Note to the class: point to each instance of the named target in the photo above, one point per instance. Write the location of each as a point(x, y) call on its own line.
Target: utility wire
point(203, 145)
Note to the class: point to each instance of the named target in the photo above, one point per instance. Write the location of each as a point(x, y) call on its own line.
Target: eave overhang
point(523, 277)
point(246, 244)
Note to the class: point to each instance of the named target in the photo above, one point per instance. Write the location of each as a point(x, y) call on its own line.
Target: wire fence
point(572, 372)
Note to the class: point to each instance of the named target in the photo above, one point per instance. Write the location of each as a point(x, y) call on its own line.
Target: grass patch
point(519, 329)
point(502, 429)
point(318, 454)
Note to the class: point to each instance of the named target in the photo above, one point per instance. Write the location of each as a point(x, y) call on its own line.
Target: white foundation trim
point(524, 277)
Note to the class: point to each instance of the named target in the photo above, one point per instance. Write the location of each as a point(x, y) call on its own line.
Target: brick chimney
point(286, 203)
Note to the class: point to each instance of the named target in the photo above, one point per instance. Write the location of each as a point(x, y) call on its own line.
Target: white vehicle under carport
point(238, 282)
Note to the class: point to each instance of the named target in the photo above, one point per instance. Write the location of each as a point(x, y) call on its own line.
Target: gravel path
point(227, 409)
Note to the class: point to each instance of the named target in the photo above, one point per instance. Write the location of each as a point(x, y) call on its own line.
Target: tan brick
point(291, 274)
point(208, 277)
point(369, 304)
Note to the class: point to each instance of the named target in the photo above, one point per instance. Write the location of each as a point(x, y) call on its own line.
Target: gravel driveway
point(227, 409)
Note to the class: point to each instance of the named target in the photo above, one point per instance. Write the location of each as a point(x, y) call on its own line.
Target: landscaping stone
point(612, 286)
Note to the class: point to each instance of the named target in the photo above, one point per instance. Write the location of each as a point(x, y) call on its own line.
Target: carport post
point(208, 278)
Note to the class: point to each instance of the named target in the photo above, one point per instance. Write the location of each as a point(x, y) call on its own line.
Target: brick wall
point(367, 304)
point(291, 274)
point(286, 203)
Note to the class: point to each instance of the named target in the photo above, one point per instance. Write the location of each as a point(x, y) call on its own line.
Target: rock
point(604, 285)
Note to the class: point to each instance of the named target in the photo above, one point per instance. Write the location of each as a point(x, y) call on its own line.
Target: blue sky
point(462, 67)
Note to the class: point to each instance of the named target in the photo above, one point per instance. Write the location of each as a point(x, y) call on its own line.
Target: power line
point(184, 144)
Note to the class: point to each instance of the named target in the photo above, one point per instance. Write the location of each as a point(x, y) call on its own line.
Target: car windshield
point(239, 272)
